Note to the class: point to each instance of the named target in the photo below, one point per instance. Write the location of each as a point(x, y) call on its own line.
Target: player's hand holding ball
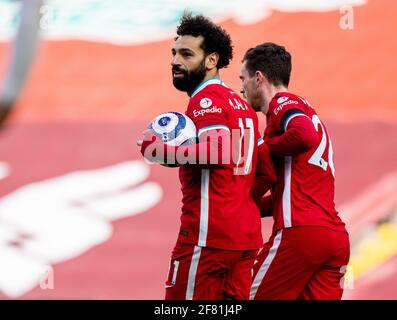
point(171, 129)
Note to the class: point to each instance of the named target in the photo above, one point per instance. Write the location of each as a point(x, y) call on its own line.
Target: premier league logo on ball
point(174, 128)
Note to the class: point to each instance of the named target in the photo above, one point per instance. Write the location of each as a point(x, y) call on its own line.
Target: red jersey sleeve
point(300, 136)
point(283, 109)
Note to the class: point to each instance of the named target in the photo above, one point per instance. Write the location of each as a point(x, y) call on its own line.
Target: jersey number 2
point(317, 157)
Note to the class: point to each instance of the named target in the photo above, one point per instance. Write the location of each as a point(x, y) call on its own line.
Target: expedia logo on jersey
point(202, 112)
point(205, 103)
point(282, 99)
point(281, 106)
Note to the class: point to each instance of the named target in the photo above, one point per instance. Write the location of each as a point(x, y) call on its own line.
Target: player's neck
point(270, 92)
point(209, 75)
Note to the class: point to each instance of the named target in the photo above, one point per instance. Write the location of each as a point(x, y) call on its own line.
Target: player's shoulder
point(204, 99)
point(214, 94)
point(286, 100)
point(207, 102)
point(214, 91)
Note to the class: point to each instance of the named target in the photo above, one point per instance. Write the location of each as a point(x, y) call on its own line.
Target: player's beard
point(191, 79)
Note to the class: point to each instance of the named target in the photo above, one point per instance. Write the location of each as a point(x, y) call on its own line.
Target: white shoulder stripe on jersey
point(287, 192)
point(265, 266)
point(205, 181)
point(192, 273)
point(205, 129)
point(291, 117)
point(205, 84)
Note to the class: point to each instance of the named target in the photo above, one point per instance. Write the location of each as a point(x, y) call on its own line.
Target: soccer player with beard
point(220, 230)
point(309, 250)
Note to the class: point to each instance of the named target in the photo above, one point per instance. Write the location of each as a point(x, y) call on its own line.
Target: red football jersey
point(217, 209)
point(304, 194)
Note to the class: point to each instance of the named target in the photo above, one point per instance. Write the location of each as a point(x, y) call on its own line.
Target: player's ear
point(212, 60)
point(259, 78)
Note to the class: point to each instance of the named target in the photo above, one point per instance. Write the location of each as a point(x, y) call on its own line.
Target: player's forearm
point(206, 152)
point(299, 137)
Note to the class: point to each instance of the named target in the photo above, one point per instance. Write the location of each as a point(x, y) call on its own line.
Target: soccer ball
point(174, 129)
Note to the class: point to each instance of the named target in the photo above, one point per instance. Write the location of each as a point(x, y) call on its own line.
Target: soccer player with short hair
point(220, 231)
point(309, 249)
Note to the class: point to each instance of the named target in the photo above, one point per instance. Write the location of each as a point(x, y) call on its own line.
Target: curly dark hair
point(216, 39)
point(272, 60)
